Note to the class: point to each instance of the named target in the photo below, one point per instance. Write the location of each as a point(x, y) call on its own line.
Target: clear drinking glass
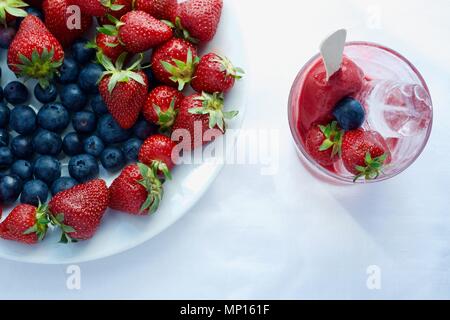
point(397, 103)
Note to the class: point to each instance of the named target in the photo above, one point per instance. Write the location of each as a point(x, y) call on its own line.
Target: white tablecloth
point(289, 235)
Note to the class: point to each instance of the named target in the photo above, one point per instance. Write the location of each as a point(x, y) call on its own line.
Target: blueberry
point(349, 114)
point(2, 95)
point(4, 115)
point(47, 143)
point(131, 149)
point(4, 138)
point(110, 131)
point(98, 105)
point(47, 169)
point(72, 97)
point(53, 117)
point(84, 122)
point(23, 120)
point(46, 95)
point(83, 168)
point(6, 37)
point(82, 54)
point(10, 189)
point(6, 157)
point(112, 159)
point(72, 144)
point(23, 169)
point(22, 147)
point(144, 129)
point(68, 72)
point(63, 184)
point(93, 146)
point(88, 78)
point(16, 93)
point(34, 192)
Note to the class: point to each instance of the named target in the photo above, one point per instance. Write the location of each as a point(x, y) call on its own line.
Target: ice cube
point(398, 109)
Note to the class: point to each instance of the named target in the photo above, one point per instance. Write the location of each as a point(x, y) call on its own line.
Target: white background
point(289, 235)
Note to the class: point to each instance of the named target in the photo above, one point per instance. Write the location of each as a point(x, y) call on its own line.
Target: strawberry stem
point(58, 221)
point(213, 105)
point(180, 32)
point(41, 66)
point(333, 138)
point(13, 8)
point(110, 5)
point(151, 182)
point(373, 167)
point(42, 221)
point(182, 72)
point(166, 118)
point(228, 68)
point(117, 71)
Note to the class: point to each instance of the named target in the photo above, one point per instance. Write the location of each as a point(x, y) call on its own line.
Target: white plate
point(120, 232)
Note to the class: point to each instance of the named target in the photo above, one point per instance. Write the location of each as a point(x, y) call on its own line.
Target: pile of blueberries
point(73, 122)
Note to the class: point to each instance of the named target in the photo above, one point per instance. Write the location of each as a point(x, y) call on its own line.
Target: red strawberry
point(200, 18)
point(97, 8)
point(10, 10)
point(127, 6)
point(364, 153)
point(56, 19)
point(35, 52)
point(123, 90)
point(215, 74)
point(79, 211)
point(139, 31)
point(323, 143)
point(162, 105)
point(26, 224)
point(137, 191)
point(160, 9)
point(174, 63)
point(156, 152)
point(109, 46)
point(200, 114)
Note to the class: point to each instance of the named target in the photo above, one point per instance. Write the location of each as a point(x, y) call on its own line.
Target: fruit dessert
point(368, 121)
point(102, 108)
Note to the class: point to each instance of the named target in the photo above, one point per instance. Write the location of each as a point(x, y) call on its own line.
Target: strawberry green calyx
point(111, 29)
point(41, 66)
point(108, 29)
point(93, 45)
point(13, 8)
point(159, 167)
point(42, 221)
point(373, 167)
point(110, 5)
point(153, 185)
point(166, 118)
point(333, 138)
point(117, 71)
point(183, 71)
point(228, 68)
point(58, 221)
point(180, 32)
point(212, 105)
